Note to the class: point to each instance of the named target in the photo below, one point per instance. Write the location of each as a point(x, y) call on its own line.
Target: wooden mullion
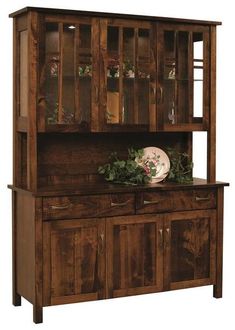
point(60, 81)
point(95, 84)
point(152, 81)
point(159, 50)
point(176, 114)
point(190, 75)
point(136, 105)
point(121, 95)
point(103, 73)
point(76, 73)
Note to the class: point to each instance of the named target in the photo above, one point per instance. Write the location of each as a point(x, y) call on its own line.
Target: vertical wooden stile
point(211, 134)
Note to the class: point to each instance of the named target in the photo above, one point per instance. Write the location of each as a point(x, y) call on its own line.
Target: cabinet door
point(69, 75)
point(183, 77)
point(74, 264)
point(127, 75)
point(189, 253)
point(134, 252)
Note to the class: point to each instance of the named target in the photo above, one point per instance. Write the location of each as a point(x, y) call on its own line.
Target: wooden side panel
point(134, 255)
point(75, 250)
point(25, 246)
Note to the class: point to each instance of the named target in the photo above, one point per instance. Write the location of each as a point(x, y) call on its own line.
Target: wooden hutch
point(86, 84)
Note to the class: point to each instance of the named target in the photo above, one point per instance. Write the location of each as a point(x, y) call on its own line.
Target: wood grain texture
point(75, 255)
point(25, 246)
point(88, 206)
point(152, 202)
point(32, 101)
point(16, 298)
point(133, 263)
point(64, 159)
point(189, 248)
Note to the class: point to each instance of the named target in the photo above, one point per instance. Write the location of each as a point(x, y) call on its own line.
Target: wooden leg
point(37, 314)
point(217, 290)
point(16, 298)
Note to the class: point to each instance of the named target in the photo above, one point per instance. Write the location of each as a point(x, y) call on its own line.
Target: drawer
point(179, 200)
point(88, 206)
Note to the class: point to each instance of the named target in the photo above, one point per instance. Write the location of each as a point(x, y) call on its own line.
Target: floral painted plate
point(155, 162)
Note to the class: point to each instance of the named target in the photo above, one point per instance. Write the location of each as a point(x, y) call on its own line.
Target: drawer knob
point(199, 199)
point(119, 204)
point(151, 202)
point(60, 207)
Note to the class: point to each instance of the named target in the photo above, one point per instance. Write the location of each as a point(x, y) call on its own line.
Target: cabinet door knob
point(60, 207)
point(118, 204)
point(199, 199)
point(146, 202)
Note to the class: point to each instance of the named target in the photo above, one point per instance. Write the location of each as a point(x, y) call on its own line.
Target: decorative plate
point(155, 162)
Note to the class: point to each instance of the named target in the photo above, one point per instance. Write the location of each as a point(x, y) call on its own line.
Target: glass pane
point(23, 86)
point(52, 72)
point(128, 76)
point(85, 73)
point(112, 113)
point(143, 81)
point(198, 74)
point(68, 73)
point(113, 98)
point(169, 51)
point(169, 77)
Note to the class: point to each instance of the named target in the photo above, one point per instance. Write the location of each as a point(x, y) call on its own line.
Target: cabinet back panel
point(74, 159)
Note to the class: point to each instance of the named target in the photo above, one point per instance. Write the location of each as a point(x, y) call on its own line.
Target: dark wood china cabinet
point(87, 84)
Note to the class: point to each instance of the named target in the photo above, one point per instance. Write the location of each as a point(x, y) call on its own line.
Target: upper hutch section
point(82, 71)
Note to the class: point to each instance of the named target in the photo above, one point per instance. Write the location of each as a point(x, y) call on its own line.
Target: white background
point(183, 309)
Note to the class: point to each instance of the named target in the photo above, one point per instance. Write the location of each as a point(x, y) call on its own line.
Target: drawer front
point(88, 206)
point(181, 200)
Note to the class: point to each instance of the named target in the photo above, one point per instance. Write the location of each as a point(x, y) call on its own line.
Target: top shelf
point(56, 11)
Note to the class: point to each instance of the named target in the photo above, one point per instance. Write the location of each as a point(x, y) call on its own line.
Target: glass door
point(70, 81)
point(128, 75)
point(183, 77)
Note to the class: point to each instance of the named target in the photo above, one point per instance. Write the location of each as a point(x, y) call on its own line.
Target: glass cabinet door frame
point(194, 123)
point(121, 25)
point(75, 23)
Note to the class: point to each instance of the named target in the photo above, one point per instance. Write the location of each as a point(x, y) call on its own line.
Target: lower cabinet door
point(74, 260)
point(189, 249)
point(134, 255)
